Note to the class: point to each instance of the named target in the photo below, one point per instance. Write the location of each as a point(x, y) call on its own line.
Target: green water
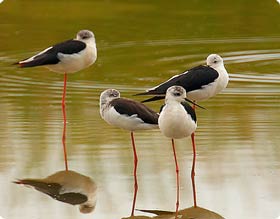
point(141, 44)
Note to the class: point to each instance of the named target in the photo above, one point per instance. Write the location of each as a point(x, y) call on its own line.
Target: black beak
point(194, 103)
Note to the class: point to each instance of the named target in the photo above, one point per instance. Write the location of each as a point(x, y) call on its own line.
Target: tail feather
point(15, 63)
point(22, 64)
point(33, 63)
point(139, 94)
point(155, 98)
point(149, 92)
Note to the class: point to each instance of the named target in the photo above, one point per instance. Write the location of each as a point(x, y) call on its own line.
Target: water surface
point(140, 44)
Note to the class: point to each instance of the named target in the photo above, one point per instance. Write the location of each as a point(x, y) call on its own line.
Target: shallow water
point(140, 44)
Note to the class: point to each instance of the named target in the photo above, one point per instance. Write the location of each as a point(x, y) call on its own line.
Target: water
point(140, 44)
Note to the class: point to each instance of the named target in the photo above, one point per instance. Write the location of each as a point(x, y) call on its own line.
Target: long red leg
point(134, 173)
point(177, 179)
point(64, 123)
point(193, 171)
point(193, 167)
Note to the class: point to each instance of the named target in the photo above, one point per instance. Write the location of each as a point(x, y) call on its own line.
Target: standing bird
point(177, 119)
point(67, 186)
point(129, 115)
point(66, 57)
point(201, 83)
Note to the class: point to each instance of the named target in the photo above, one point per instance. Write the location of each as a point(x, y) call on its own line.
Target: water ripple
point(252, 57)
point(248, 83)
point(265, 79)
point(175, 42)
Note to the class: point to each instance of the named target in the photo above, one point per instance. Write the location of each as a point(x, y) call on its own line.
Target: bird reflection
point(67, 186)
point(188, 213)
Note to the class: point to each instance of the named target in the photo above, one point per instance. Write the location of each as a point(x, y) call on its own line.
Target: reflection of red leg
point(177, 178)
point(193, 170)
point(134, 173)
point(64, 122)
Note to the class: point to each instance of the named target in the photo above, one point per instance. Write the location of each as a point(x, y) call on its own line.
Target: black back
point(192, 79)
point(130, 107)
point(49, 57)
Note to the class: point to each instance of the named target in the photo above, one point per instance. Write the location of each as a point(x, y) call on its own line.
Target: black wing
point(49, 57)
point(130, 107)
point(192, 79)
point(189, 109)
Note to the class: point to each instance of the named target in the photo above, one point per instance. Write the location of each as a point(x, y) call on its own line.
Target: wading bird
point(129, 115)
point(177, 119)
point(67, 57)
point(201, 83)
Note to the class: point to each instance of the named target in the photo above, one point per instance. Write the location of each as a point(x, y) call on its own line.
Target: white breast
point(175, 122)
point(222, 80)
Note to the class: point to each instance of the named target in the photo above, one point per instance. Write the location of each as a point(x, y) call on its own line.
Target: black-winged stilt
point(66, 57)
point(129, 115)
point(67, 186)
point(177, 119)
point(201, 83)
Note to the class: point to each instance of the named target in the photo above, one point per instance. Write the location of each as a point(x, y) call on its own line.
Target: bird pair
point(200, 83)
point(176, 119)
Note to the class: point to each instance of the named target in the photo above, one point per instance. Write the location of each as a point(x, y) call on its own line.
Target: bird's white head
point(108, 95)
point(175, 93)
point(85, 36)
point(214, 61)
